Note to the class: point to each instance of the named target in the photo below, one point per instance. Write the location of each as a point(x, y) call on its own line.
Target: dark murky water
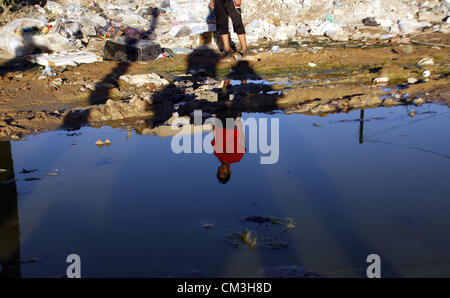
point(136, 209)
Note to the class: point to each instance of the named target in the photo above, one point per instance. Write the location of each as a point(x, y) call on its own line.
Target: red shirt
point(227, 148)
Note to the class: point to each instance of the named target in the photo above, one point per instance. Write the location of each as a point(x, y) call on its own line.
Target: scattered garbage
point(400, 40)
point(412, 80)
point(381, 80)
point(275, 49)
point(426, 61)
point(175, 23)
point(371, 22)
point(48, 71)
point(64, 58)
point(329, 18)
point(126, 48)
point(426, 73)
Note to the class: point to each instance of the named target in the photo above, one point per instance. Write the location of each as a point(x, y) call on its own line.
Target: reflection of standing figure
point(9, 218)
point(228, 144)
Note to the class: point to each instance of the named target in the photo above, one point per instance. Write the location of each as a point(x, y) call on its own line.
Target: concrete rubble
point(63, 25)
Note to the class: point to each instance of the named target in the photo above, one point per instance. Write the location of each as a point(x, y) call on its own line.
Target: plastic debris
point(426, 61)
point(48, 71)
point(381, 80)
point(64, 58)
point(275, 49)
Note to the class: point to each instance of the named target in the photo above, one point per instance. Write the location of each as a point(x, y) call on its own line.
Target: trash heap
point(176, 24)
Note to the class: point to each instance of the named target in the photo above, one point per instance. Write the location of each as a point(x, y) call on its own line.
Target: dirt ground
point(31, 103)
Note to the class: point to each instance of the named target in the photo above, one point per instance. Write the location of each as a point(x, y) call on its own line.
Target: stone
point(144, 79)
point(337, 35)
point(131, 49)
point(57, 82)
point(407, 49)
point(427, 16)
point(412, 80)
point(371, 22)
point(418, 101)
point(88, 30)
point(410, 26)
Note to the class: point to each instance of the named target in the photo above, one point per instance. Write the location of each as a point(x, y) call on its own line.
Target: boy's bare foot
point(226, 54)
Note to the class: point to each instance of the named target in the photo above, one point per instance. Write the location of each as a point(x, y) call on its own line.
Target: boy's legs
point(238, 26)
point(226, 42)
point(243, 42)
point(222, 22)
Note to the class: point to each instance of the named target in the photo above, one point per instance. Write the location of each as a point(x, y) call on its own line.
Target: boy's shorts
point(224, 9)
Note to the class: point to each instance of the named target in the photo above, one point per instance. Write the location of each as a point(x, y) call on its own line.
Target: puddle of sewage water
point(136, 209)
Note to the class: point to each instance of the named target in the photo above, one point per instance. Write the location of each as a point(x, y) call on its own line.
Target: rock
point(143, 79)
point(131, 49)
point(412, 113)
point(418, 101)
point(371, 22)
point(407, 49)
point(57, 82)
point(427, 16)
point(412, 80)
point(88, 30)
point(410, 26)
point(337, 35)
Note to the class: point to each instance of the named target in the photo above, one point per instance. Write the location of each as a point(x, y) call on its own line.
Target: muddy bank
point(157, 109)
point(318, 78)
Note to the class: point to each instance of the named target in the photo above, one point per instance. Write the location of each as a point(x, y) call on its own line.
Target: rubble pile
point(176, 24)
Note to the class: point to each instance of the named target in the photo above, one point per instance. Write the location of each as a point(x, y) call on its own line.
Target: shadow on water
point(9, 216)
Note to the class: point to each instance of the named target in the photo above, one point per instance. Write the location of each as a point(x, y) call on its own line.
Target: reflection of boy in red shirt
point(229, 147)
